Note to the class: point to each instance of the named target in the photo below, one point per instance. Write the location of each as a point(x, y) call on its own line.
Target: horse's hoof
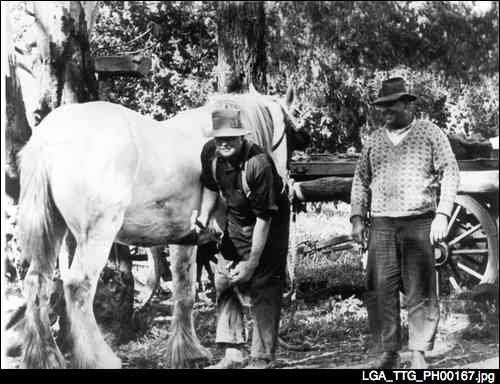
point(104, 361)
point(13, 344)
point(187, 356)
point(113, 362)
point(192, 363)
point(108, 363)
point(14, 350)
point(52, 360)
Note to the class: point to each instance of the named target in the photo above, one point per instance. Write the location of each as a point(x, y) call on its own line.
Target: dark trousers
point(262, 294)
point(400, 257)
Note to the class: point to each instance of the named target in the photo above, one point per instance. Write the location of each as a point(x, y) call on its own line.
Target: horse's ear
point(290, 95)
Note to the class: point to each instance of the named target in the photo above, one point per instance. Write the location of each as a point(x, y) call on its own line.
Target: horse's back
point(90, 157)
point(85, 119)
point(93, 136)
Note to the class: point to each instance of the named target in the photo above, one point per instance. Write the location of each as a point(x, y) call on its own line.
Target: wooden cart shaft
point(326, 179)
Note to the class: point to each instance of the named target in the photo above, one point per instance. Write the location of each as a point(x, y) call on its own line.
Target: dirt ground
point(331, 333)
point(456, 346)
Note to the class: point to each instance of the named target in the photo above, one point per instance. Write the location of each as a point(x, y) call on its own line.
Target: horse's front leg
point(183, 346)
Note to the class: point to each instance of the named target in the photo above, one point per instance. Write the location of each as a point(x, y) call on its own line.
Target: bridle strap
point(287, 120)
point(275, 146)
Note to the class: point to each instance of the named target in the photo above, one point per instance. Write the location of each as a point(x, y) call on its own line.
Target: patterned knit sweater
point(403, 179)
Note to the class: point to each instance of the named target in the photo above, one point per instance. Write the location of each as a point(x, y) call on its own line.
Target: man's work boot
point(418, 360)
point(388, 360)
point(233, 359)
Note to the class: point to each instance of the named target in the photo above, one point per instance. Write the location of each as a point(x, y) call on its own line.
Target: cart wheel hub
point(441, 254)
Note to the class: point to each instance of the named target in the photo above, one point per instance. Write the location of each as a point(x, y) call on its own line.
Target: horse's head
point(297, 137)
point(288, 134)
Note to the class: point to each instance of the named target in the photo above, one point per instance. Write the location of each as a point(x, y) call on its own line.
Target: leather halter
point(275, 146)
point(278, 143)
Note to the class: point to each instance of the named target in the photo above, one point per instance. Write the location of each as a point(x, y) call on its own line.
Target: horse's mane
point(258, 113)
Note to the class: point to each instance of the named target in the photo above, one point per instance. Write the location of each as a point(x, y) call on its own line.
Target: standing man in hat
point(255, 241)
point(396, 181)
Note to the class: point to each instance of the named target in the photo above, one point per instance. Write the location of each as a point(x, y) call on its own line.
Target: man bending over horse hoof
point(396, 181)
point(255, 242)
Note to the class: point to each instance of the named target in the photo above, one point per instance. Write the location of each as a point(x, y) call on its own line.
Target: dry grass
point(321, 274)
point(334, 324)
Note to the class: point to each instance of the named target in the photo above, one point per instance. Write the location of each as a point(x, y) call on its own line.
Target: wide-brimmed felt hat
point(393, 89)
point(227, 122)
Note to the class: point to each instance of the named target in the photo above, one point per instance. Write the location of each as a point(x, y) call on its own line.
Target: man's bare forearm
point(208, 201)
point(259, 239)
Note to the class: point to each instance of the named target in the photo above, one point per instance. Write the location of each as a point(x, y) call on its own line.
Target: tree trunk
point(53, 67)
point(64, 65)
point(241, 33)
point(17, 130)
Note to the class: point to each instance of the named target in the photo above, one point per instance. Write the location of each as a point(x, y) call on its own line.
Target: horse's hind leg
point(183, 346)
point(40, 349)
point(90, 350)
point(66, 256)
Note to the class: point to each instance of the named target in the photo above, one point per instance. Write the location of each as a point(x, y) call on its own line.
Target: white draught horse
point(104, 173)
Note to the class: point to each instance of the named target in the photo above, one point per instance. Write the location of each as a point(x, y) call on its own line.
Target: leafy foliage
point(179, 36)
point(335, 53)
point(338, 53)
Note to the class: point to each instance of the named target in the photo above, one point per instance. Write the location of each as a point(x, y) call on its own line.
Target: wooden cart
point(469, 256)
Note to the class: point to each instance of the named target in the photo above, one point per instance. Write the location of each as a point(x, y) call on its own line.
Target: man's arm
point(210, 191)
point(209, 199)
point(446, 165)
point(259, 239)
point(360, 191)
point(245, 269)
point(360, 194)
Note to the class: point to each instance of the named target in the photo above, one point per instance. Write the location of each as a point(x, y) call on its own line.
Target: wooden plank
point(124, 65)
point(478, 181)
point(306, 170)
point(325, 189)
point(314, 186)
point(478, 165)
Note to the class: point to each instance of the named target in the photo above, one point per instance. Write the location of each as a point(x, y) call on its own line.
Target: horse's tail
point(41, 228)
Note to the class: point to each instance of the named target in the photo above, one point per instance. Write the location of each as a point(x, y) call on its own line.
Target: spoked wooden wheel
point(470, 254)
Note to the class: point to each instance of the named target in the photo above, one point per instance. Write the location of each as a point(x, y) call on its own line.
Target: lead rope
point(292, 262)
point(291, 295)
